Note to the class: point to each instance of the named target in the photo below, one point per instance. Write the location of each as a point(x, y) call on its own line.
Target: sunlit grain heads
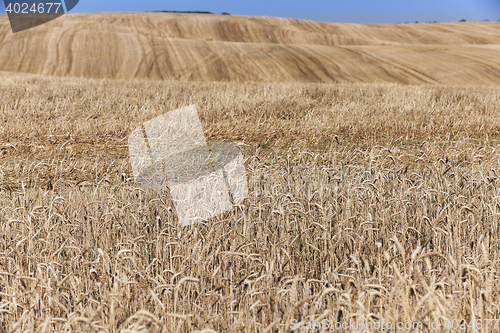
point(86, 255)
point(170, 150)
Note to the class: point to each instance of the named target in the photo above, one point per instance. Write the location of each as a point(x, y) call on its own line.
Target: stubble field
point(366, 201)
point(233, 48)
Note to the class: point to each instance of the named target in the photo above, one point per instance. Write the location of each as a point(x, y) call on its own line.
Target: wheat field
point(197, 47)
point(366, 202)
point(371, 154)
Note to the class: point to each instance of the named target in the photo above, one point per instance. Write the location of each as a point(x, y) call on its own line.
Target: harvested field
point(367, 201)
point(196, 47)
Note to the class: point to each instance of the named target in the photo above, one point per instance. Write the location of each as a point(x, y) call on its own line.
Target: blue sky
point(354, 11)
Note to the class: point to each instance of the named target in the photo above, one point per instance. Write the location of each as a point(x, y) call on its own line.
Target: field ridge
point(196, 47)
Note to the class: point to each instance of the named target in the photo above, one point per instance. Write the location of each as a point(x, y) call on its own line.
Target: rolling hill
point(197, 47)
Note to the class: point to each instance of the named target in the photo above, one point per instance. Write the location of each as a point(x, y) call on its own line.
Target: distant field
point(367, 201)
point(196, 47)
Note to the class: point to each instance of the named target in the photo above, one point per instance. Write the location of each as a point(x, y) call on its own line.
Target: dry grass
point(242, 48)
point(366, 201)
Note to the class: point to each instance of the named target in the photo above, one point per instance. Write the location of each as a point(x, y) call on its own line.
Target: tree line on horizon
point(462, 20)
point(185, 12)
